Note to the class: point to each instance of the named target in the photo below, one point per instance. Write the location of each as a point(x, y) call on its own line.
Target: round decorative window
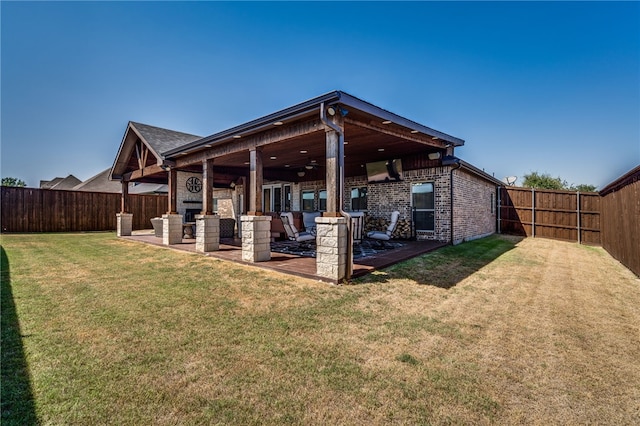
point(194, 184)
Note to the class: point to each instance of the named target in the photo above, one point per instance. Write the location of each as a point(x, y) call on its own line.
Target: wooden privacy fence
point(621, 219)
point(564, 215)
point(44, 210)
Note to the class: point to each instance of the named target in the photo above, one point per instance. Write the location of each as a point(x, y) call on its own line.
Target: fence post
point(578, 204)
point(533, 212)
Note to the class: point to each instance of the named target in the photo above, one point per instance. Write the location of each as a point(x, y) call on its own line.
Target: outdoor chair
point(293, 234)
point(381, 236)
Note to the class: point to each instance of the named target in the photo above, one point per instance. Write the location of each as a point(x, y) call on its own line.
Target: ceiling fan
point(311, 165)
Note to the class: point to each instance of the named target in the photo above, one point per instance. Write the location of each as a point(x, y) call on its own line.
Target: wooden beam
point(332, 139)
point(140, 173)
point(139, 155)
point(207, 186)
point(252, 142)
point(124, 197)
point(406, 135)
point(255, 182)
point(173, 192)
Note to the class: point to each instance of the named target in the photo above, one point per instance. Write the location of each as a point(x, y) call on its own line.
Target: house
point(60, 183)
point(333, 154)
point(102, 183)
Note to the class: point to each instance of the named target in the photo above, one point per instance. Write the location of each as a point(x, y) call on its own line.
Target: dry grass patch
point(499, 330)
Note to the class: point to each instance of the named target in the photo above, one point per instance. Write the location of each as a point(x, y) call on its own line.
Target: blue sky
point(547, 87)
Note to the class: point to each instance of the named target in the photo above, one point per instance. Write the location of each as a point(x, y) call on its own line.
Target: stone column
point(331, 247)
point(171, 229)
point(207, 233)
point(256, 238)
point(124, 224)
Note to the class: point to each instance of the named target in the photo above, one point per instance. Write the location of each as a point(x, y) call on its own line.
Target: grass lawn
point(97, 330)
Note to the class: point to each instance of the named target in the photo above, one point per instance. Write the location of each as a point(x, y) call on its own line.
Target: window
point(271, 198)
point(359, 199)
point(423, 206)
point(322, 200)
point(277, 199)
point(267, 202)
point(307, 201)
point(215, 205)
point(493, 203)
point(287, 198)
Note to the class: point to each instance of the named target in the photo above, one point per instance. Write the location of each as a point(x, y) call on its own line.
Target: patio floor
point(302, 266)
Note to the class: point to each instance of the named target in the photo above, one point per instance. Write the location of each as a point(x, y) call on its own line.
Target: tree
point(583, 188)
point(546, 181)
point(543, 181)
point(11, 181)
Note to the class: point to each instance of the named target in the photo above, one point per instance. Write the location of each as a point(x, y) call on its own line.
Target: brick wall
point(473, 213)
point(473, 217)
point(384, 198)
point(183, 193)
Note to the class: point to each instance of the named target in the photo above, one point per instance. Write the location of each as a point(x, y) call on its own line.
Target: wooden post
point(207, 186)
point(124, 198)
point(173, 192)
point(332, 139)
point(255, 182)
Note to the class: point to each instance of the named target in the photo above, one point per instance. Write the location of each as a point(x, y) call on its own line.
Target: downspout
point(453, 167)
point(323, 118)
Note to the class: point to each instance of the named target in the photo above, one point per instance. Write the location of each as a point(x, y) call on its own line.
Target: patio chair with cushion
point(292, 232)
point(382, 236)
point(309, 221)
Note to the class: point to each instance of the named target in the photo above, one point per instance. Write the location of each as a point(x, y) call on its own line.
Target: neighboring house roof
point(142, 188)
point(60, 183)
point(101, 183)
point(156, 139)
point(48, 184)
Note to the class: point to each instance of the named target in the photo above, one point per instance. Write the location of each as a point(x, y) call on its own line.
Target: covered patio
point(327, 139)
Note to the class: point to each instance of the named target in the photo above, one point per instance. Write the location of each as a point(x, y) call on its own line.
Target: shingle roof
point(162, 140)
point(60, 183)
point(101, 183)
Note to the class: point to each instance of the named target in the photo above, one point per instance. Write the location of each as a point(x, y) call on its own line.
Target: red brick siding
point(473, 216)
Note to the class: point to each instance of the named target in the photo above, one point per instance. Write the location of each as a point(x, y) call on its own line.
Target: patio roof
point(139, 137)
point(291, 139)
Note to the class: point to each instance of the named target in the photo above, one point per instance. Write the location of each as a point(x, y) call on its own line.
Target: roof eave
point(364, 106)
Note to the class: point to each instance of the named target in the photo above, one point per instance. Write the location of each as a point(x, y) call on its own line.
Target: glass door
point(422, 202)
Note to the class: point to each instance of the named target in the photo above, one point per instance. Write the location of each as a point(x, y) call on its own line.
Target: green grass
point(97, 330)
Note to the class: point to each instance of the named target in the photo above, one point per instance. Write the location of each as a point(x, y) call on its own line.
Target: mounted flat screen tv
point(384, 171)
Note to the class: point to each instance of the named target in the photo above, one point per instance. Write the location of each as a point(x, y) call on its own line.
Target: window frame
point(431, 210)
point(359, 198)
